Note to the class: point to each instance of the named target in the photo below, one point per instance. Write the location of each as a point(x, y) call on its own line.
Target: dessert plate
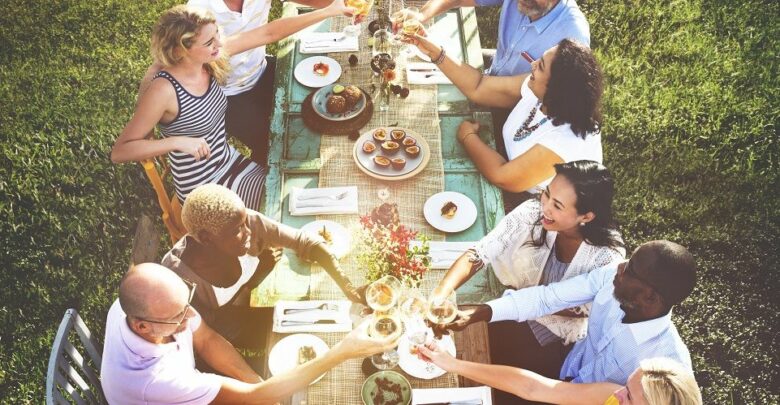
point(464, 217)
point(414, 164)
point(340, 243)
point(320, 100)
point(284, 354)
point(304, 72)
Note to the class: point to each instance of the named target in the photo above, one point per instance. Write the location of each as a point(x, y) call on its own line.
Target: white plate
point(304, 72)
point(418, 368)
point(342, 241)
point(366, 160)
point(463, 219)
point(284, 354)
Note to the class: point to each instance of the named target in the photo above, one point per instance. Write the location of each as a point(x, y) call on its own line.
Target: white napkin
point(443, 254)
point(425, 73)
point(315, 201)
point(457, 395)
point(322, 42)
point(341, 316)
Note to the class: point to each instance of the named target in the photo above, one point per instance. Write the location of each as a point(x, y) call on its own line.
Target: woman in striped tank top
point(185, 100)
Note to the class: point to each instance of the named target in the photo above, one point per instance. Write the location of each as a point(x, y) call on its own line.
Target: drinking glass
point(382, 294)
point(442, 310)
point(407, 21)
point(362, 8)
point(382, 42)
point(413, 309)
point(384, 324)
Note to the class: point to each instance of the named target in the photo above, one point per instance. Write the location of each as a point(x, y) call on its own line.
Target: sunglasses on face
point(191, 286)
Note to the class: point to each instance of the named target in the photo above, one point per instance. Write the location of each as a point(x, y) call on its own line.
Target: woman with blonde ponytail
point(189, 106)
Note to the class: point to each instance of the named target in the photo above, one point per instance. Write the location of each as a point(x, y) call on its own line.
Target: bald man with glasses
point(153, 334)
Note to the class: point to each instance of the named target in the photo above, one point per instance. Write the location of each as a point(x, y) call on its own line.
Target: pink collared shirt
point(136, 371)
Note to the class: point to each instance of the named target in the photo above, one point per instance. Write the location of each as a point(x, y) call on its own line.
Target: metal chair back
point(73, 376)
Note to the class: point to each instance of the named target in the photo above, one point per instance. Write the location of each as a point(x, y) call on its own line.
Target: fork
point(334, 197)
point(326, 306)
point(336, 39)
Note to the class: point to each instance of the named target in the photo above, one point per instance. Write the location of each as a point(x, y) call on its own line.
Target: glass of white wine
point(442, 309)
point(362, 8)
point(409, 22)
point(384, 324)
point(383, 294)
point(413, 309)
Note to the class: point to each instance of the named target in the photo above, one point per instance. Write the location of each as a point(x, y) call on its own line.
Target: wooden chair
point(156, 169)
point(70, 373)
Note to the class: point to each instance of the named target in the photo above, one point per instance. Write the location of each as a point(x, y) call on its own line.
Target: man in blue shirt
point(630, 319)
point(531, 26)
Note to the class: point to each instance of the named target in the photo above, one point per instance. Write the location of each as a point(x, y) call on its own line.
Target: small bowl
point(370, 388)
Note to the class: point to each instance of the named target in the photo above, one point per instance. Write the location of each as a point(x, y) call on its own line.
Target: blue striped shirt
point(612, 349)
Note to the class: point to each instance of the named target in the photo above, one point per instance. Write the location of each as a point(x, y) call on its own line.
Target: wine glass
point(442, 309)
point(409, 22)
point(413, 309)
point(362, 7)
point(384, 324)
point(382, 294)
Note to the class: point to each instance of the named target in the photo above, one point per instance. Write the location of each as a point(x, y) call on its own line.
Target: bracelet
point(463, 139)
point(440, 59)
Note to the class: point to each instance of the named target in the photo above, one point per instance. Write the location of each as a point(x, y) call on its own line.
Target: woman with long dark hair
point(555, 119)
point(568, 231)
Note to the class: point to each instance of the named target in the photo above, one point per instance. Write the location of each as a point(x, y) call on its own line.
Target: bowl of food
point(386, 388)
point(338, 102)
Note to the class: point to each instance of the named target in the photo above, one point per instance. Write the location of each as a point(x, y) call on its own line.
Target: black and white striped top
point(204, 117)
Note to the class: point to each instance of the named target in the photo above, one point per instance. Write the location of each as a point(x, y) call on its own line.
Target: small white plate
point(342, 241)
point(464, 216)
point(304, 72)
point(284, 354)
point(416, 367)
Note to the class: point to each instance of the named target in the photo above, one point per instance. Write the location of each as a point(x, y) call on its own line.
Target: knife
point(317, 322)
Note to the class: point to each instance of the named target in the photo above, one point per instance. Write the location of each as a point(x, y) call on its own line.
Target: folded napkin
point(425, 73)
point(337, 317)
point(470, 395)
point(443, 254)
point(330, 200)
point(324, 42)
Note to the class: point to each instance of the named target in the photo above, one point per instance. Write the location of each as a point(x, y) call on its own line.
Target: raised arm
point(276, 388)
point(155, 104)
point(516, 175)
point(435, 7)
point(523, 383)
point(491, 91)
point(461, 271)
point(282, 28)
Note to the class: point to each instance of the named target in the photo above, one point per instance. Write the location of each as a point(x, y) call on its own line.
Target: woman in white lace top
point(568, 231)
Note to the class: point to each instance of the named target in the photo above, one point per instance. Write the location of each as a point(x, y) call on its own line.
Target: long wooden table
point(294, 161)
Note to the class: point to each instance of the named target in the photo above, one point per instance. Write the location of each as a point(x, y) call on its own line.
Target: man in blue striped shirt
point(630, 319)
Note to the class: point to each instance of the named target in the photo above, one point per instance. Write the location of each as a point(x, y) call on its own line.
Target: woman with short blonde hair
point(189, 106)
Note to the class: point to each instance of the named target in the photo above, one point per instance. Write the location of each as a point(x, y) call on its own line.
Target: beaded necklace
point(525, 130)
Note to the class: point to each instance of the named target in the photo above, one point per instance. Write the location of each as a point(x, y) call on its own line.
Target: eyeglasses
point(191, 287)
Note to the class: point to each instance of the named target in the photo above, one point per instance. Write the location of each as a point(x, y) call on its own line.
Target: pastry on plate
point(449, 209)
point(306, 353)
point(321, 69)
point(352, 94)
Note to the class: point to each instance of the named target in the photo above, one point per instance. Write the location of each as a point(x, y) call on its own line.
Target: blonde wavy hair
point(666, 382)
point(210, 208)
point(175, 32)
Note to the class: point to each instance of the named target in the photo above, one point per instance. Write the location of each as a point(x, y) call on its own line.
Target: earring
point(582, 224)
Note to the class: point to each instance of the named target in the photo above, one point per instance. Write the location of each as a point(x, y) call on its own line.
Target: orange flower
point(388, 75)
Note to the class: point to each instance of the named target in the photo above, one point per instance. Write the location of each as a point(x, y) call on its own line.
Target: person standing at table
point(569, 231)
point(229, 250)
point(153, 335)
point(185, 100)
point(630, 319)
point(530, 26)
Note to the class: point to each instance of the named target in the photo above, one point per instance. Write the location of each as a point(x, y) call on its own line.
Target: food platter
point(320, 100)
point(464, 215)
point(413, 163)
point(305, 71)
point(285, 355)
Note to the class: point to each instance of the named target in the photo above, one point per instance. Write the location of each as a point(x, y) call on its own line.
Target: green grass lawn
point(691, 114)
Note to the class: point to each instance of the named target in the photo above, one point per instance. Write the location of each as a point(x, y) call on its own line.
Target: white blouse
point(560, 139)
point(517, 263)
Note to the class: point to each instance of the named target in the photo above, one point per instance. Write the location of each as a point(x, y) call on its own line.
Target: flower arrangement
point(384, 247)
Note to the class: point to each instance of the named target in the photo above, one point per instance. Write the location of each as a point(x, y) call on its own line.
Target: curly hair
point(574, 90)
point(595, 188)
point(664, 381)
point(210, 208)
point(175, 32)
